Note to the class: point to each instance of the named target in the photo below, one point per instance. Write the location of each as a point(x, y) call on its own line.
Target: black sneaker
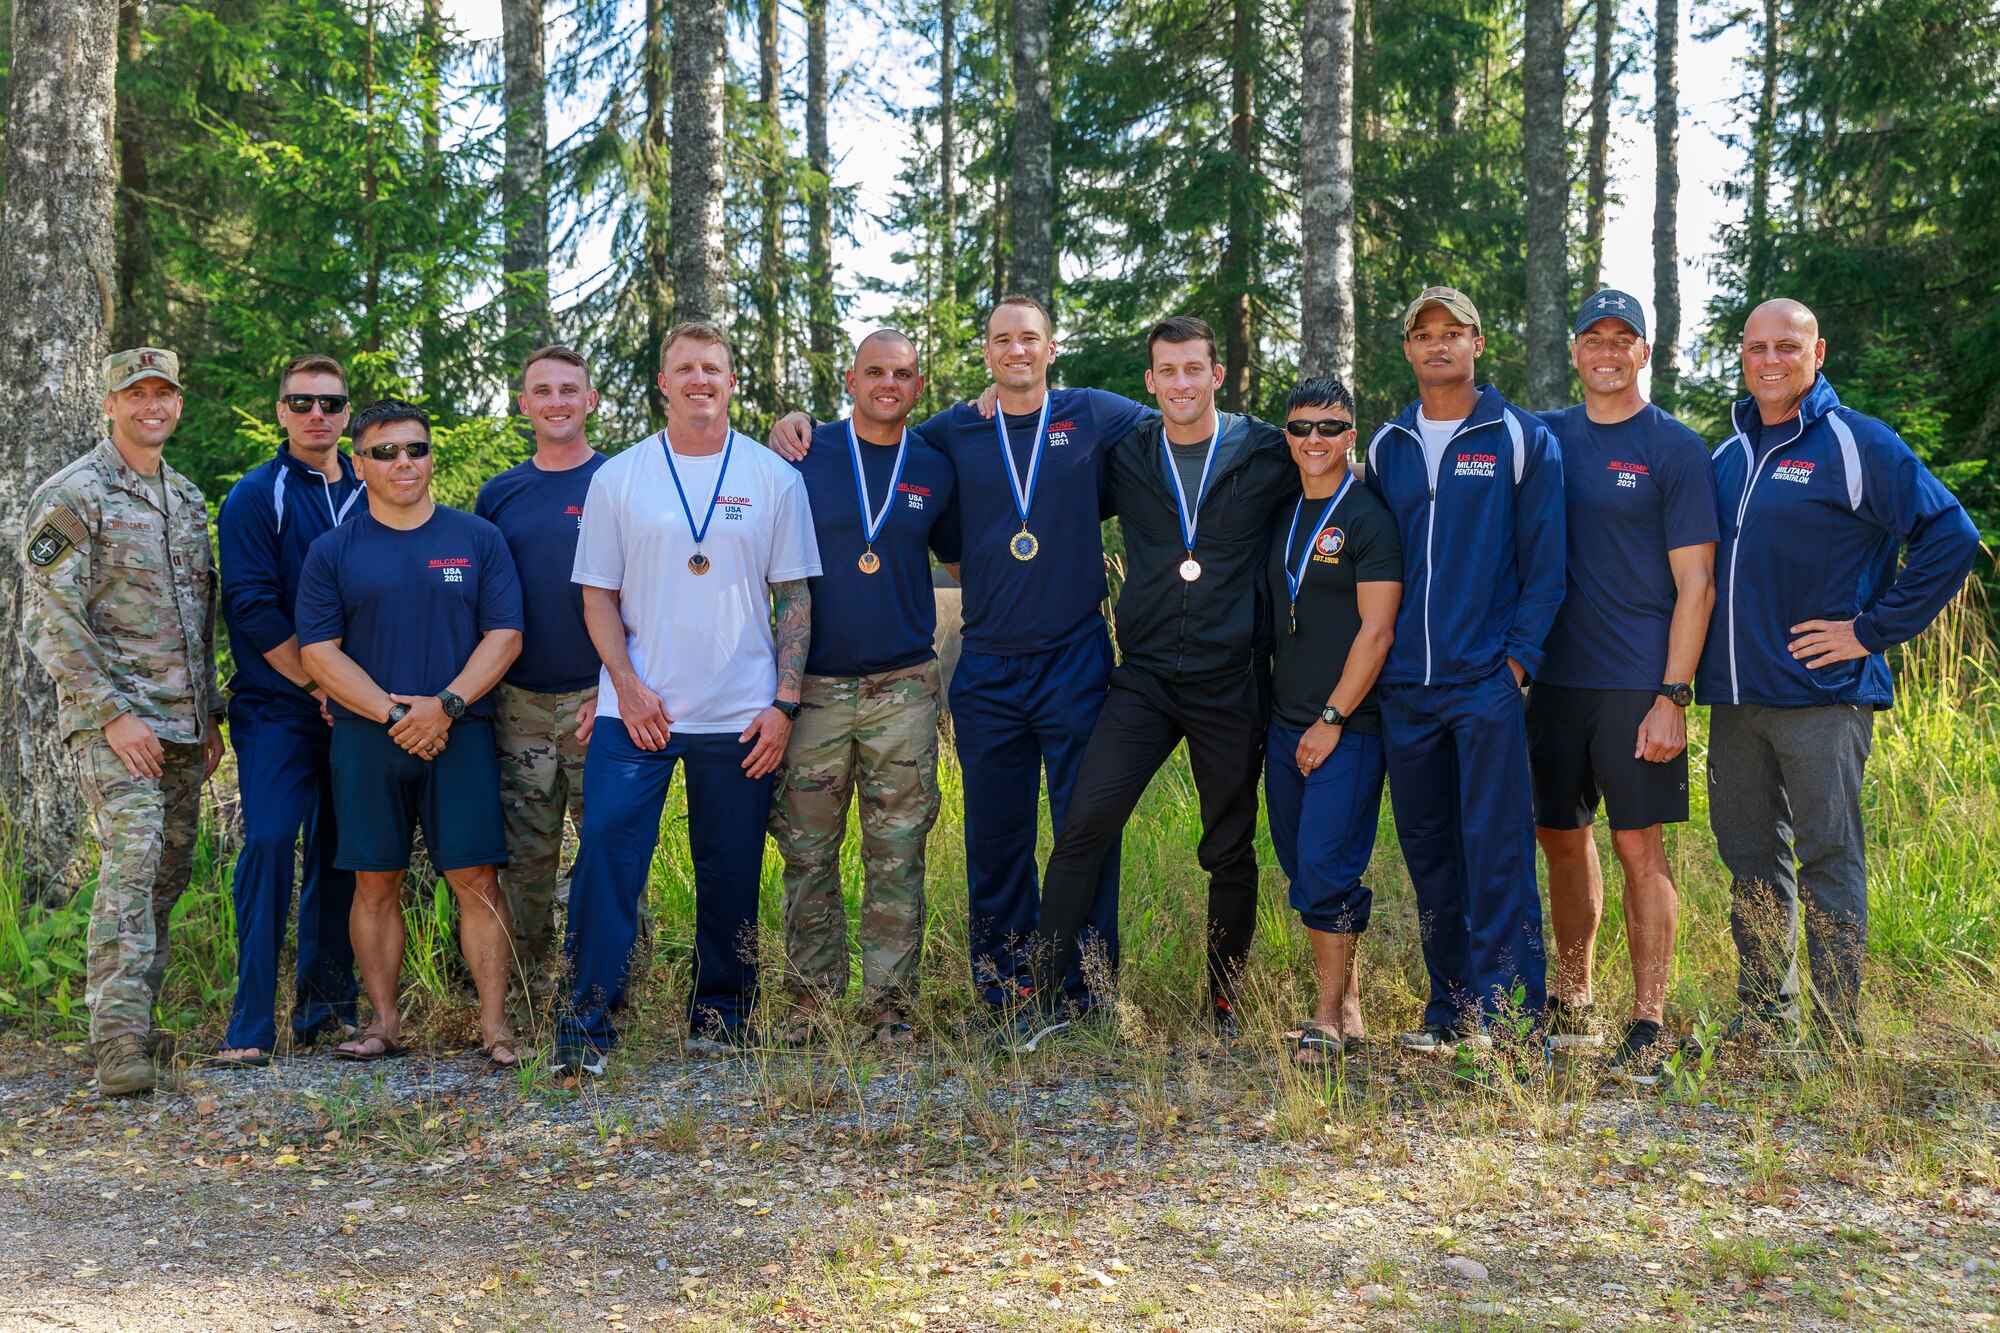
point(1638, 1054)
point(1571, 1027)
point(575, 1060)
point(1224, 1018)
point(1028, 1029)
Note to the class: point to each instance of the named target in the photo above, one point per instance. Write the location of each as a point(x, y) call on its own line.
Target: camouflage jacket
point(120, 598)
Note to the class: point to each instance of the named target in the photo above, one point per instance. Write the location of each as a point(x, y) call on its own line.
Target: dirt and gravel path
point(1177, 1189)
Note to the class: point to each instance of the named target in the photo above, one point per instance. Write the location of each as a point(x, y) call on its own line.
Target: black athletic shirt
point(1357, 544)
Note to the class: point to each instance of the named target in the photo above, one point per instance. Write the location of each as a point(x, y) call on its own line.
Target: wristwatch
point(454, 707)
point(397, 713)
point(1679, 695)
point(790, 710)
point(1332, 716)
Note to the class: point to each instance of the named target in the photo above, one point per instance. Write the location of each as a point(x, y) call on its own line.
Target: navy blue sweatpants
point(1323, 826)
point(624, 791)
point(1458, 780)
point(1012, 718)
point(286, 777)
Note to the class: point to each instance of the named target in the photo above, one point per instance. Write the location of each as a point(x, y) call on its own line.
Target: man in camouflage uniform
point(120, 594)
point(881, 500)
point(544, 707)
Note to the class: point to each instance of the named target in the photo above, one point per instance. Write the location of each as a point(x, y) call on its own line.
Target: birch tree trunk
point(1666, 203)
point(57, 285)
point(700, 27)
point(1597, 174)
point(1542, 134)
point(1326, 191)
point(1031, 196)
point(819, 221)
point(523, 189)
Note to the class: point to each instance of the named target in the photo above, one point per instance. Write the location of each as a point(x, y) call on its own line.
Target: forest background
point(242, 180)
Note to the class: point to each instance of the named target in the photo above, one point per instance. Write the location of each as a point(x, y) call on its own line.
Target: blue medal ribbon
point(1294, 579)
point(1024, 545)
point(1190, 515)
point(708, 515)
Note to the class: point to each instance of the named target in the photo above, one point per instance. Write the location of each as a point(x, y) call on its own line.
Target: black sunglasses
point(1332, 428)
point(386, 453)
point(333, 404)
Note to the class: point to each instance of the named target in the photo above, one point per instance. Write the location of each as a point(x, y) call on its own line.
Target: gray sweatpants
point(1784, 799)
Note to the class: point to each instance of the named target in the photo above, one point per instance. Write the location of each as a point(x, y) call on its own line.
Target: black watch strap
point(454, 707)
point(1680, 695)
point(398, 713)
point(1332, 716)
point(790, 710)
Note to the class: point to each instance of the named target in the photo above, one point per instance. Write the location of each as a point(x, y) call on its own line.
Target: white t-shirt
point(702, 642)
point(1437, 434)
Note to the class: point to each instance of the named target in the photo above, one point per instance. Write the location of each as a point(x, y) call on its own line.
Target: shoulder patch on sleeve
point(62, 529)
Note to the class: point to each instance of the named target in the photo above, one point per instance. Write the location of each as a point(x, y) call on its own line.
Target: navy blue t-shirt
point(409, 607)
point(1015, 607)
point(866, 623)
point(539, 513)
point(1631, 492)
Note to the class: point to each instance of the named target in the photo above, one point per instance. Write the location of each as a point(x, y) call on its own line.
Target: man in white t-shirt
point(690, 539)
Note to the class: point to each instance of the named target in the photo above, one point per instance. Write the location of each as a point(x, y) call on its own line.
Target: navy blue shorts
point(383, 792)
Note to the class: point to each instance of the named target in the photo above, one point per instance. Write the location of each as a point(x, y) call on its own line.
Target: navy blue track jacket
point(1483, 557)
point(268, 519)
point(1814, 512)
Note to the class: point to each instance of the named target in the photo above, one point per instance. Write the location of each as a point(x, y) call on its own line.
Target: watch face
point(1683, 695)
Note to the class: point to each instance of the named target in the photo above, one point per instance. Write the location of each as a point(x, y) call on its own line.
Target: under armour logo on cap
point(1612, 304)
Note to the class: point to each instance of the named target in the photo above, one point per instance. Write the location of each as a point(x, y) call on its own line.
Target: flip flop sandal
point(391, 1050)
point(1328, 1046)
point(261, 1060)
point(515, 1048)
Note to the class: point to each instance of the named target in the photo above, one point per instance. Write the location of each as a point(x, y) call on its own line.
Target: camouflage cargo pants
point(147, 828)
point(877, 734)
point(541, 780)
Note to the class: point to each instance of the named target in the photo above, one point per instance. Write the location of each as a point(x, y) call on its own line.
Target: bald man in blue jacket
point(1818, 505)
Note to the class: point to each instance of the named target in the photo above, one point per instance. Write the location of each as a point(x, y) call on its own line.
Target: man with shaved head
point(868, 722)
point(1819, 506)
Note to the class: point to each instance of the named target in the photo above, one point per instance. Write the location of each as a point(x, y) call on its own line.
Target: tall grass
point(1932, 803)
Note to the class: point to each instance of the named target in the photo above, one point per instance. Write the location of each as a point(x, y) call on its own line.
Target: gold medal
point(698, 563)
point(869, 561)
point(1024, 546)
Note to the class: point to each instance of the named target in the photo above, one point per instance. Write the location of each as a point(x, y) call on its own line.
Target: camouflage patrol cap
point(134, 364)
point(1457, 302)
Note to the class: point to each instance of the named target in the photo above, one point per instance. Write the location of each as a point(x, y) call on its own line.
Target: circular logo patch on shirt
point(1330, 541)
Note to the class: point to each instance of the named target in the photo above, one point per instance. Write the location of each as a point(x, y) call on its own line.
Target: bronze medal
point(698, 563)
point(869, 562)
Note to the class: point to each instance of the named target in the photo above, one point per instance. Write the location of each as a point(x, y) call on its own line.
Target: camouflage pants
point(878, 734)
point(541, 779)
point(147, 828)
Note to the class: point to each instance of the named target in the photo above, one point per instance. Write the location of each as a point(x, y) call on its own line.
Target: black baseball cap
point(1611, 304)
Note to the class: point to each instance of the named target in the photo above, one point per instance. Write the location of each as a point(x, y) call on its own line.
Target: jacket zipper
point(1736, 547)
point(1430, 524)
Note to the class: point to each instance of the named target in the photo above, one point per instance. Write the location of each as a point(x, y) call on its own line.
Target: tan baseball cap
point(129, 367)
point(1457, 302)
